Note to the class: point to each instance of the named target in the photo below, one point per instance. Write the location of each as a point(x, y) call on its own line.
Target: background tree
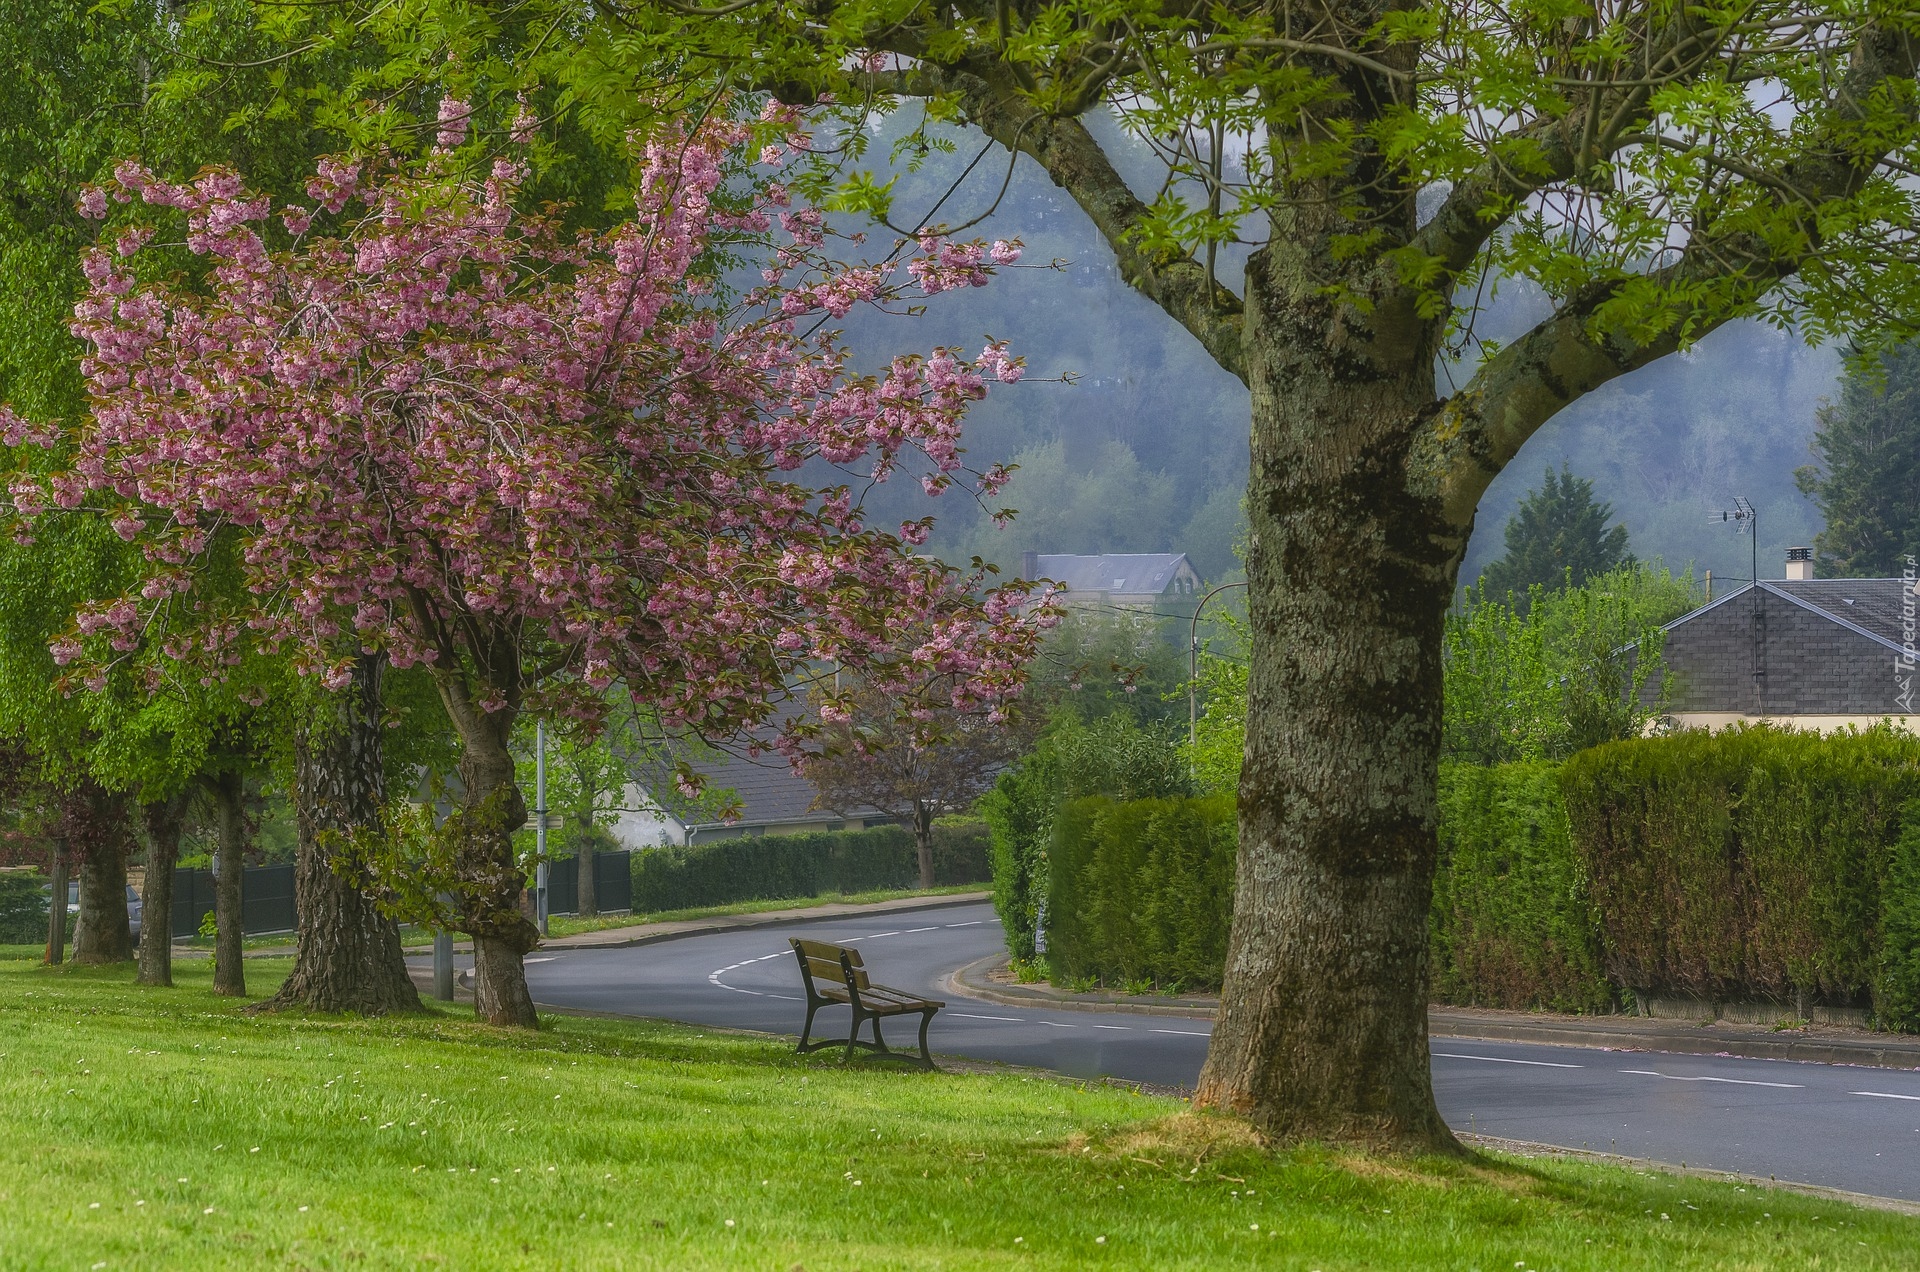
point(1558, 538)
point(913, 763)
point(1656, 170)
point(1867, 480)
point(588, 775)
point(1097, 663)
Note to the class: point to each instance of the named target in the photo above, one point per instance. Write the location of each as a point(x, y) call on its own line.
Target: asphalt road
point(1847, 1127)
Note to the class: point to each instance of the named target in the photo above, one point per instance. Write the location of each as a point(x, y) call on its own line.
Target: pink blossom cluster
point(433, 425)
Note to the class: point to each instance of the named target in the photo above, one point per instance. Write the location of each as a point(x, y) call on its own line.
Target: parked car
point(133, 906)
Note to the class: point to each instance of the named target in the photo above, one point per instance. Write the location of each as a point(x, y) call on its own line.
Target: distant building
point(1801, 652)
point(1162, 582)
point(774, 800)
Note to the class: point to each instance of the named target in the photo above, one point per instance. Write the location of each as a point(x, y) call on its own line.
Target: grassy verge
point(163, 1129)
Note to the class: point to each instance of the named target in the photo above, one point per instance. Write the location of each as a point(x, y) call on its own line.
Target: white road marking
point(1885, 1095)
point(1676, 1077)
point(548, 959)
point(1544, 1064)
point(970, 923)
point(1121, 1028)
point(1057, 1025)
point(1184, 1033)
point(877, 935)
point(934, 928)
point(970, 1016)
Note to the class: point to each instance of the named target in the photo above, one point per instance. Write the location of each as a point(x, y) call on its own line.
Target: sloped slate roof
point(1873, 604)
point(770, 792)
point(1871, 607)
point(1129, 572)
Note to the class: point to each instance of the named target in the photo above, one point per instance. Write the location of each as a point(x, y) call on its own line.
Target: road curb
point(742, 923)
point(774, 918)
point(1529, 1148)
point(971, 982)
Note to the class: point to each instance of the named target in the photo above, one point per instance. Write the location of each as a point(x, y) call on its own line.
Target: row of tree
point(393, 420)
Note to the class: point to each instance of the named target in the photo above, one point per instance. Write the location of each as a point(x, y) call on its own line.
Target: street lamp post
point(1193, 666)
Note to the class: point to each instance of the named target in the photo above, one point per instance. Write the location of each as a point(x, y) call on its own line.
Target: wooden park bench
point(833, 976)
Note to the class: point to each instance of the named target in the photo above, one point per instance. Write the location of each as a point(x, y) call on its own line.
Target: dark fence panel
point(266, 899)
point(613, 880)
point(612, 877)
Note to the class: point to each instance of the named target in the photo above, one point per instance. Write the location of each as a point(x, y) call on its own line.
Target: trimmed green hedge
point(1755, 865)
point(1513, 925)
point(1141, 890)
point(23, 909)
point(774, 867)
point(1750, 864)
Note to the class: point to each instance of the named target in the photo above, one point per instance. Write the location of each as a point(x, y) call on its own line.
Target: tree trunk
point(923, 842)
point(587, 904)
point(57, 907)
point(349, 956)
point(229, 942)
point(164, 820)
point(492, 882)
point(104, 932)
point(1322, 1032)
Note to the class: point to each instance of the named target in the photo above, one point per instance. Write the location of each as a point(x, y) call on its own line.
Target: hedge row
point(1141, 890)
point(23, 909)
point(1752, 863)
point(775, 867)
point(1512, 922)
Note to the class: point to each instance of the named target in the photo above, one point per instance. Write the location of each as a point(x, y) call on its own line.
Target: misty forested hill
point(1147, 450)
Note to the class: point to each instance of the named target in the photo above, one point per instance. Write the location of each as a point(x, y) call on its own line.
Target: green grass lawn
point(165, 1129)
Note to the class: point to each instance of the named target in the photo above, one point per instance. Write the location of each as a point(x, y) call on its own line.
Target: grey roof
point(1871, 604)
point(770, 792)
point(1871, 607)
point(1137, 573)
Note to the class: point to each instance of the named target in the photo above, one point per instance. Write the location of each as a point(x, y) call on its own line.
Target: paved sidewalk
point(647, 933)
point(989, 979)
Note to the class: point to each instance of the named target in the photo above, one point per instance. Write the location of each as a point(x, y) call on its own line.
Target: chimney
point(1799, 563)
point(1029, 565)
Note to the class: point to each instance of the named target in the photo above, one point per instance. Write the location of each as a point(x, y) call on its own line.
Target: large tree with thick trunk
point(1656, 168)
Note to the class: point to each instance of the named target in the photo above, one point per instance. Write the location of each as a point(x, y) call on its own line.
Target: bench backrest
point(830, 963)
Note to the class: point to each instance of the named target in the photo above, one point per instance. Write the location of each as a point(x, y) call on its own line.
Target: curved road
point(1847, 1127)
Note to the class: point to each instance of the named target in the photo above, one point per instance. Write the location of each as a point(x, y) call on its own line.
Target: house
point(1800, 652)
point(1161, 582)
point(774, 800)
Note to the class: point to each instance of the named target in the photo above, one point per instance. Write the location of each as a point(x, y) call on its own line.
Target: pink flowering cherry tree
point(547, 465)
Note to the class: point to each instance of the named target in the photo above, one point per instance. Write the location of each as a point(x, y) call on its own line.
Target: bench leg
point(879, 1043)
point(926, 1057)
point(853, 1036)
point(806, 1030)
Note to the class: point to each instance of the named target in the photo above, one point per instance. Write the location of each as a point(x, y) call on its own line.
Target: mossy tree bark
point(587, 903)
point(349, 957)
point(491, 889)
point(96, 821)
point(228, 792)
point(165, 820)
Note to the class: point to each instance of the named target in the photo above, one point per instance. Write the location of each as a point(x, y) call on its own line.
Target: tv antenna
point(1745, 519)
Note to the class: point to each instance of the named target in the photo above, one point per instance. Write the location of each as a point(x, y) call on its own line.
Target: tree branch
point(1474, 434)
point(1076, 163)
